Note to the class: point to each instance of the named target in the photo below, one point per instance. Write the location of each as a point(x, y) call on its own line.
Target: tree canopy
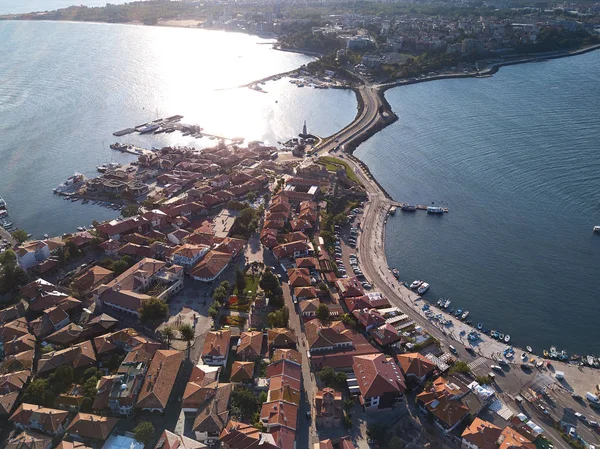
point(144, 432)
point(153, 309)
point(279, 318)
point(322, 312)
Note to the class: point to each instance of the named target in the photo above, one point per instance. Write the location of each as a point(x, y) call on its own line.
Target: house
point(250, 345)
point(64, 444)
point(11, 385)
point(13, 312)
point(237, 435)
point(213, 415)
point(72, 399)
point(91, 279)
point(110, 247)
point(170, 440)
point(309, 263)
point(349, 287)
point(52, 320)
point(447, 413)
point(369, 318)
point(231, 246)
point(303, 293)
point(127, 340)
point(268, 237)
point(277, 414)
point(29, 254)
point(287, 354)
point(328, 407)
point(188, 254)
point(380, 381)
point(202, 384)
point(299, 277)
point(29, 440)
point(77, 356)
point(293, 249)
point(216, 347)
point(88, 427)
point(126, 292)
point(159, 381)
point(308, 307)
point(114, 229)
point(481, 435)
point(511, 439)
point(416, 367)
point(386, 335)
point(242, 372)
point(284, 387)
point(281, 337)
point(211, 266)
point(42, 419)
point(17, 362)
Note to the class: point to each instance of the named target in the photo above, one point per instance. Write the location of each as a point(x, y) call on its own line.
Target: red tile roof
point(482, 434)
point(377, 375)
point(160, 379)
point(89, 426)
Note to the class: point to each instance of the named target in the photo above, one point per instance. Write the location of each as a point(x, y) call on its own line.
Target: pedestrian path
point(501, 409)
point(477, 362)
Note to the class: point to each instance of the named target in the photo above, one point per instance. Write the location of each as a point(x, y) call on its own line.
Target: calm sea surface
point(66, 87)
point(516, 158)
point(23, 6)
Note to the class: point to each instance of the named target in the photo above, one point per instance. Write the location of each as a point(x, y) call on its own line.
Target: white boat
point(423, 288)
point(416, 284)
point(507, 338)
point(464, 315)
point(71, 181)
point(524, 356)
point(435, 210)
point(597, 229)
point(45, 236)
point(393, 210)
point(529, 349)
point(2, 204)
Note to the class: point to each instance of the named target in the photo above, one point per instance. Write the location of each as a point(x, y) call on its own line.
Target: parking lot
point(346, 239)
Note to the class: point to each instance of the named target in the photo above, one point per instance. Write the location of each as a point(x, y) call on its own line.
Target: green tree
point(219, 294)
point(270, 284)
point(153, 309)
point(460, 367)
point(144, 432)
point(252, 197)
point(11, 275)
point(243, 403)
point(226, 285)
point(119, 267)
point(377, 431)
point(187, 334)
point(19, 235)
point(327, 376)
point(240, 281)
point(322, 312)
point(349, 320)
point(340, 379)
point(130, 210)
point(39, 392)
point(213, 310)
point(279, 318)
point(168, 334)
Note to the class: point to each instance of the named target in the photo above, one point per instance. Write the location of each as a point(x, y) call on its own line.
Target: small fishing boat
point(458, 312)
point(524, 356)
point(45, 236)
point(507, 338)
point(529, 349)
point(464, 315)
point(479, 326)
point(396, 273)
point(501, 336)
point(447, 303)
point(469, 321)
point(423, 288)
point(451, 310)
point(546, 354)
point(416, 284)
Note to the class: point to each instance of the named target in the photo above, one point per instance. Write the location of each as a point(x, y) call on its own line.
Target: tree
point(38, 392)
point(279, 318)
point(168, 334)
point(349, 320)
point(377, 431)
point(219, 294)
point(252, 197)
point(327, 376)
point(213, 310)
point(243, 402)
point(130, 210)
point(19, 235)
point(270, 284)
point(153, 309)
point(11, 275)
point(322, 312)
point(187, 334)
point(460, 367)
point(119, 267)
point(340, 379)
point(144, 432)
point(226, 285)
point(240, 281)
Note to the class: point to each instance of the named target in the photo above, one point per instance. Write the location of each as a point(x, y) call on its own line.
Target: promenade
point(373, 261)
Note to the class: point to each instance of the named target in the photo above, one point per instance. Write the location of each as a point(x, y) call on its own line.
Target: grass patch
point(333, 164)
point(249, 292)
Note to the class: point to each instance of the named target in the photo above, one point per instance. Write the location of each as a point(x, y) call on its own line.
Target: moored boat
point(416, 284)
point(507, 338)
point(396, 273)
point(435, 210)
point(546, 353)
point(409, 207)
point(529, 349)
point(464, 315)
point(479, 326)
point(423, 288)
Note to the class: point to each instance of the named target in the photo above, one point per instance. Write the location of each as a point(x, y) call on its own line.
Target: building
point(380, 381)
point(92, 279)
point(250, 345)
point(159, 381)
point(237, 435)
point(328, 406)
point(292, 250)
point(511, 439)
point(211, 266)
point(216, 348)
point(416, 367)
point(187, 254)
point(29, 440)
point(242, 372)
point(29, 254)
point(447, 412)
point(77, 356)
point(481, 435)
point(33, 417)
point(281, 337)
point(212, 415)
point(91, 428)
point(170, 440)
point(202, 384)
point(126, 292)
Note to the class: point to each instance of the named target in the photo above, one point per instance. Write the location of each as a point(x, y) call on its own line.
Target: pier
point(402, 206)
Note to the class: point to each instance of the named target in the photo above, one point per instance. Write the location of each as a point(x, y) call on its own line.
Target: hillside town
point(230, 310)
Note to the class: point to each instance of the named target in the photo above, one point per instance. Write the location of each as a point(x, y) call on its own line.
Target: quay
point(410, 207)
point(123, 132)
